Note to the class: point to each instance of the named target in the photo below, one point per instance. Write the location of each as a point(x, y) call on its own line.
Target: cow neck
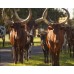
point(56, 31)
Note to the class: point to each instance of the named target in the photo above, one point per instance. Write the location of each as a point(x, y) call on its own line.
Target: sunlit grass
point(66, 60)
point(38, 60)
point(36, 40)
point(6, 38)
point(7, 41)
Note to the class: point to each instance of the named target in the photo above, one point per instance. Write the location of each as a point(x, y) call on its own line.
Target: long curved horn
point(50, 21)
point(67, 18)
point(24, 20)
point(39, 20)
point(5, 18)
point(44, 15)
point(42, 18)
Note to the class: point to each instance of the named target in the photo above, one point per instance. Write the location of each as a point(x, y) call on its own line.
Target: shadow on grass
point(6, 45)
point(69, 64)
point(38, 60)
point(66, 60)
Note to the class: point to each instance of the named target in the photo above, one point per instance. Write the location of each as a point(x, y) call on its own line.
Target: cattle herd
point(2, 33)
point(56, 36)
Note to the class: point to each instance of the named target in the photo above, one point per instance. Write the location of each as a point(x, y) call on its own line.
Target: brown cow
point(70, 39)
point(2, 33)
point(19, 35)
point(54, 37)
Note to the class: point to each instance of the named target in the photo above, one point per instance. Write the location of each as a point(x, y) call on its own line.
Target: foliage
point(54, 14)
point(36, 41)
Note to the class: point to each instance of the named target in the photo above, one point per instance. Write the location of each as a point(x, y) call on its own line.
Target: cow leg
point(15, 55)
point(27, 54)
point(21, 55)
point(3, 40)
point(24, 54)
point(68, 49)
point(70, 52)
point(30, 47)
point(50, 58)
point(55, 59)
point(73, 51)
point(46, 54)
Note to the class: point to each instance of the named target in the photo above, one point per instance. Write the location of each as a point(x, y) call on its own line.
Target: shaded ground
point(6, 54)
point(36, 59)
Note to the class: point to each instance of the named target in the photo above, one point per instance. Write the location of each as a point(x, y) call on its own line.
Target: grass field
point(37, 60)
point(36, 41)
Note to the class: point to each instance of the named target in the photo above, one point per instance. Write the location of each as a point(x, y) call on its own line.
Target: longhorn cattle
point(65, 43)
point(70, 39)
point(2, 33)
point(19, 35)
point(54, 37)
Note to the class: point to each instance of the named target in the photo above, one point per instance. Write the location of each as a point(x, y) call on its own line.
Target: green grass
point(66, 60)
point(36, 41)
point(37, 60)
point(6, 38)
point(7, 42)
point(33, 61)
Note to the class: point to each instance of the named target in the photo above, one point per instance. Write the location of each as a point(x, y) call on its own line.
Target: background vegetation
point(54, 14)
point(37, 60)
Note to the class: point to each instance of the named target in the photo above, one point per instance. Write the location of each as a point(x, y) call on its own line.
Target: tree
point(54, 14)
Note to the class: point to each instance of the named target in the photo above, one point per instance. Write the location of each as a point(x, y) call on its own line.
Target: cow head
point(18, 26)
point(18, 33)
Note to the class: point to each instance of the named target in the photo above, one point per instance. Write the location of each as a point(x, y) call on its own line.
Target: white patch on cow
point(65, 43)
point(16, 35)
point(2, 31)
